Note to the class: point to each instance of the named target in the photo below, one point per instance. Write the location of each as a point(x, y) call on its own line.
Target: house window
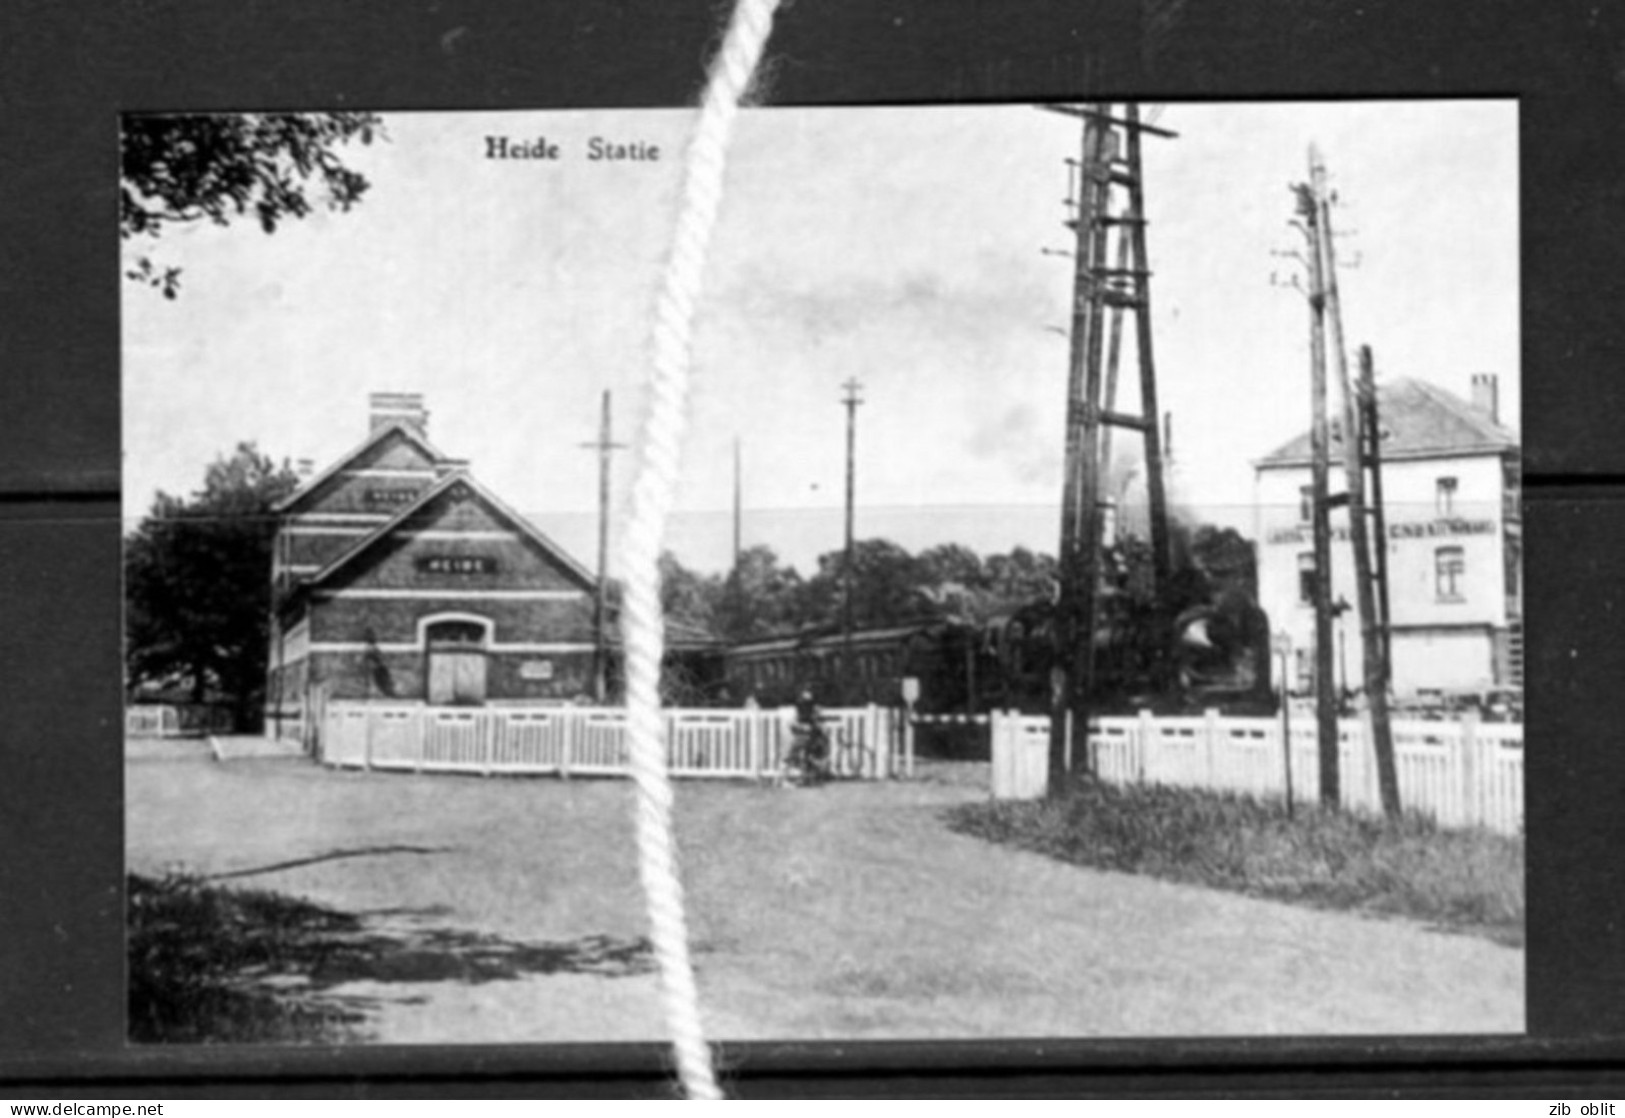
point(1444, 493)
point(1305, 658)
point(1450, 570)
point(1511, 482)
point(1306, 503)
point(1306, 577)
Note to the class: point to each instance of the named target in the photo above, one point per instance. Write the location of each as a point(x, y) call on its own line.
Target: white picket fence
point(865, 742)
point(152, 722)
point(1465, 773)
point(166, 720)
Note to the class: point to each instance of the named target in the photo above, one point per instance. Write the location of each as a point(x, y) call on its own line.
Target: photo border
point(62, 979)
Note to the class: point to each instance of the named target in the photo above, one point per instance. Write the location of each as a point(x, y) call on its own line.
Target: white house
point(1451, 498)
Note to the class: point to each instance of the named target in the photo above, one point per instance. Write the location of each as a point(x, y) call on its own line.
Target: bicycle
point(807, 761)
point(820, 753)
point(850, 757)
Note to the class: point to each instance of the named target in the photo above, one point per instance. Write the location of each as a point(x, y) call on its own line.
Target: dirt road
point(848, 911)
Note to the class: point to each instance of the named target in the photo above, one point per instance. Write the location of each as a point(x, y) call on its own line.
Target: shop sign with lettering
point(457, 564)
point(393, 497)
point(1404, 530)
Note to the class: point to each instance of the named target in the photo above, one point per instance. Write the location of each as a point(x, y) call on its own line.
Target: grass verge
point(1463, 881)
point(203, 964)
point(240, 966)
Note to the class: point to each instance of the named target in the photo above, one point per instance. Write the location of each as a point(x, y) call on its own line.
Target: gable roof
point(345, 461)
point(681, 636)
point(1419, 420)
point(501, 511)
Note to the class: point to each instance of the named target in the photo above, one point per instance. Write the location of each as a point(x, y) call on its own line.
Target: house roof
point(427, 497)
point(681, 636)
point(824, 636)
point(376, 436)
point(1419, 420)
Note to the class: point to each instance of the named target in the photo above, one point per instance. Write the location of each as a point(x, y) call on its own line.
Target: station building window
point(1450, 571)
point(1444, 496)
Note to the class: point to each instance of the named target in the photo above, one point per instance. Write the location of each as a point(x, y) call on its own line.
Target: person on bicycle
point(813, 742)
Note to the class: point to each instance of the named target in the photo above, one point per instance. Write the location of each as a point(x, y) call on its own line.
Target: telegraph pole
point(1139, 297)
point(738, 505)
point(600, 617)
point(1109, 158)
point(1371, 433)
point(1080, 495)
point(851, 401)
point(1114, 351)
point(1320, 498)
point(1376, 678)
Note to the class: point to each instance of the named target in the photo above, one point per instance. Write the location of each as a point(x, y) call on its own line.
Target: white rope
point(660, 445)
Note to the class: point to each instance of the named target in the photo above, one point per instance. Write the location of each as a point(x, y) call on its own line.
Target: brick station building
point(397, 575)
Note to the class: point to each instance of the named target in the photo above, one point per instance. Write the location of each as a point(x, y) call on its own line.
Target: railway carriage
point(1216, 655)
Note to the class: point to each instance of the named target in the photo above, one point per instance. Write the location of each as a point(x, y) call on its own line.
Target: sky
point(903, 247)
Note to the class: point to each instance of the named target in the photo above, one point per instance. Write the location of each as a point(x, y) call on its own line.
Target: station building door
point(457, 663)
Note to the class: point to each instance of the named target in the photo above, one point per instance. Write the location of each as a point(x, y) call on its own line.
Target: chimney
point(305, 468)
point(403, 408)
point(1487, 395)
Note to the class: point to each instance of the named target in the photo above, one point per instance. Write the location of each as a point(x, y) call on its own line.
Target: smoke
point(1125, 485)
point(1020, 439)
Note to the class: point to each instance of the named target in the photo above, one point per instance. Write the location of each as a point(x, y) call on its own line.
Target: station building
point(1452, 502)
point(397, 575)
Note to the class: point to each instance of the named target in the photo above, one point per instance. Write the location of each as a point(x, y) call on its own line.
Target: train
point(1215, 654)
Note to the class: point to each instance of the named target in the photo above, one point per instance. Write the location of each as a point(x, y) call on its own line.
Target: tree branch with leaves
point(269, 167)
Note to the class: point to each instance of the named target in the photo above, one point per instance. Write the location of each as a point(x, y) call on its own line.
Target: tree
point(1022, 578)
point(760, 598)
point(197, 578)
point(950, 564)
point(886, 588)
point(271, 166)
point(687, 599)
point(955, 580)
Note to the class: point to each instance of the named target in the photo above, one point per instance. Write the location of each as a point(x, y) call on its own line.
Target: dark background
point(68, 69)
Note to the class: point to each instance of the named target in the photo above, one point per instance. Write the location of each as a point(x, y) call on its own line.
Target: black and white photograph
point(1092, 602)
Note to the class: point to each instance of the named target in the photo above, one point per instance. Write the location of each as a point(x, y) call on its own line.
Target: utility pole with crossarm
point(851, 401)
point(1108, 203)
point(605, 446)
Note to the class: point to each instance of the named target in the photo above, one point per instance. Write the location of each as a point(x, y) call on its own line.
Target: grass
point(842, 912)
point(200, 958)
point(1464, 881)
point(219, 965)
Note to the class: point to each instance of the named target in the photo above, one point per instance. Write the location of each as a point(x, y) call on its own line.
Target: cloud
point(984, 296)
